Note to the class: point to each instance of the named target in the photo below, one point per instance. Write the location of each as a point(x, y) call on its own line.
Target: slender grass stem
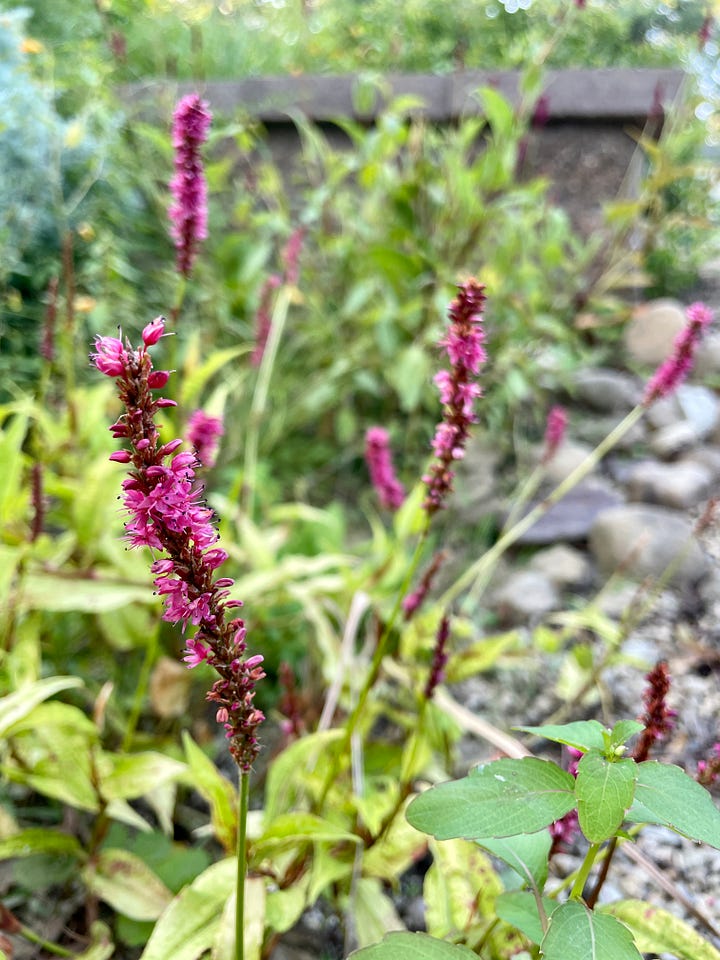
point(259, 400)
point(243, 799)
point(27, 934)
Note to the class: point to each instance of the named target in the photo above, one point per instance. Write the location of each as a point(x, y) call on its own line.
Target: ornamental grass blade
point(576, 933)
point(500, 799)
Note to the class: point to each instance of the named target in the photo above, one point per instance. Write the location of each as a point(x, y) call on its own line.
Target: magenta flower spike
point(188, 210)
point(439, 659)
point(203, 434)
point(658, 719)
point(166, 512)
point(555, 427)
point(670, 374)
point(458, 389)
point(380, 466)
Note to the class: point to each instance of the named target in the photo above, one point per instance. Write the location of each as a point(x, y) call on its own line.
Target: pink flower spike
point(196, 653)
point(670, 374)
point(556, 425)
point(153, 331)
point(203, 433)
point(380, 466)
point(188, 210)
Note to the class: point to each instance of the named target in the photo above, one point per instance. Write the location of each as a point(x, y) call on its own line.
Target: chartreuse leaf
point(188, 926)
point(373, 912)
point(413, 946)
point(45, 591)
point(658, 931)
point(519, 908)
point(460, 885)
point(126, 882)
point(126, 776)
point(34, 840)
point(581, 934)
point(16, 706)
point(290, 830)
point(300, 764)
point(101, 944)
point(665, 794)
point(527, 854)
point(604, 791)
point(254, 926)
point(581, 734)
point(215, 789)
point(499, 799)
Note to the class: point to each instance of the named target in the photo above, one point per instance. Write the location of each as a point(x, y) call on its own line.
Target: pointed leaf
point(126, 882)
point(623, 730)
point(460, 882)
point(18, 705)
point(189, 925)
point(527, 854)
point(574, 931)
point(581, 734)
point(519, 908)
point(34, 840)
point(133, 775)
point(658, 931)
point(604, 792)
point(499, 799)
point(216, 790)
point(413, 946)
point(373, 912)
point(43, 591)
point(254, 927)
point(665, 794)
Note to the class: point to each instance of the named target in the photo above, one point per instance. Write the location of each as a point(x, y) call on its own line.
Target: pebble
point(563, 565)
point(572, 518)
point(700, 406)
point(568, 456)
point(681, 485)
point(608, 391)
point(525, 596)
point(650, 335)
point(674, 439)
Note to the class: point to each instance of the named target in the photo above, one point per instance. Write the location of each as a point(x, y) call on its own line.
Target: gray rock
point(571, 519)
point(476, 481)
point(681, 485)
point(568, 456)
point(700, 406)
point(664, 412)
point(525, 596)
point(707, 362)
point(643, 540)
point(674, 439)
point(708, 456)
point(563, 565)
point(608, 391)
point(594, 429)
point(650, 335)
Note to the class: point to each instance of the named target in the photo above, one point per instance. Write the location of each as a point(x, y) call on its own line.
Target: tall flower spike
point(555, 428)
point(188, 210)
point(203, 434)
point(380, 466)
point(413, 601)
point(670, 374)
point(166, 512)
point(458, 389)
point(439, 659)
point(657, 719)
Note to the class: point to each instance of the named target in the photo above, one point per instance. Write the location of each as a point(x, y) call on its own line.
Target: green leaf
point(373, 912)
point(665, 794)
point(43, 591)
point(127, 884)
point(499, 112)
point(658, 931)
point(460, 883)
point(519, 908)
point(36, 840)
point(623, 730)
point(215, 789)
point(101, 944)
point(500, 799)
point(408, 374)
point(527, 854)
point(253, 929)
point(481, 656)
point(134, 775)
point(604, 792)
point(18, 705)
point(188, 926)
point(413, 946)
point(194, 380)
point(574, 931)
point(299, 763)
point(289, 830)
point(581, 734)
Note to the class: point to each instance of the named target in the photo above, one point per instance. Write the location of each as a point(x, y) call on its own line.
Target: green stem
point(584, 871)
point(140, 691)
point(243, 798)
point(488, 560)
point(27, 934)
point(259, 400)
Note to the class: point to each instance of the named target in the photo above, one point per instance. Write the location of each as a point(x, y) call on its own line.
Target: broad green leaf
point(283, 908)
point(188, 926)
point(519, 908)
point(372, 911)
point(409, 519)
point(216, 790)
point(665, 794)
point(499, 112)
point(395, 851)
point(101, 944)
point(658, 931)
point(581, 734)
point(623, 730)
point(127, 884)
point(126, 776)
point(460, 884)
point(254, 929)
point(34, 840)
point(43, 591)
point(408, 374)
point(302, 762)
point(499, 799)
point(289, 830)
point(18, 705)
point(413, 946)
point(527, 854)
point(578, 933)
point(604, 792)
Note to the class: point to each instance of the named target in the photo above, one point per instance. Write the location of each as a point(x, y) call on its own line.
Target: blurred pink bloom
point(413, 601)
point(203, 434)
point(458, 390)
point(439, 659)
point(555, 428)
point(263, 318)
point(291, 255)
point(188, 210)
point(382, 473)
point(673, 371)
